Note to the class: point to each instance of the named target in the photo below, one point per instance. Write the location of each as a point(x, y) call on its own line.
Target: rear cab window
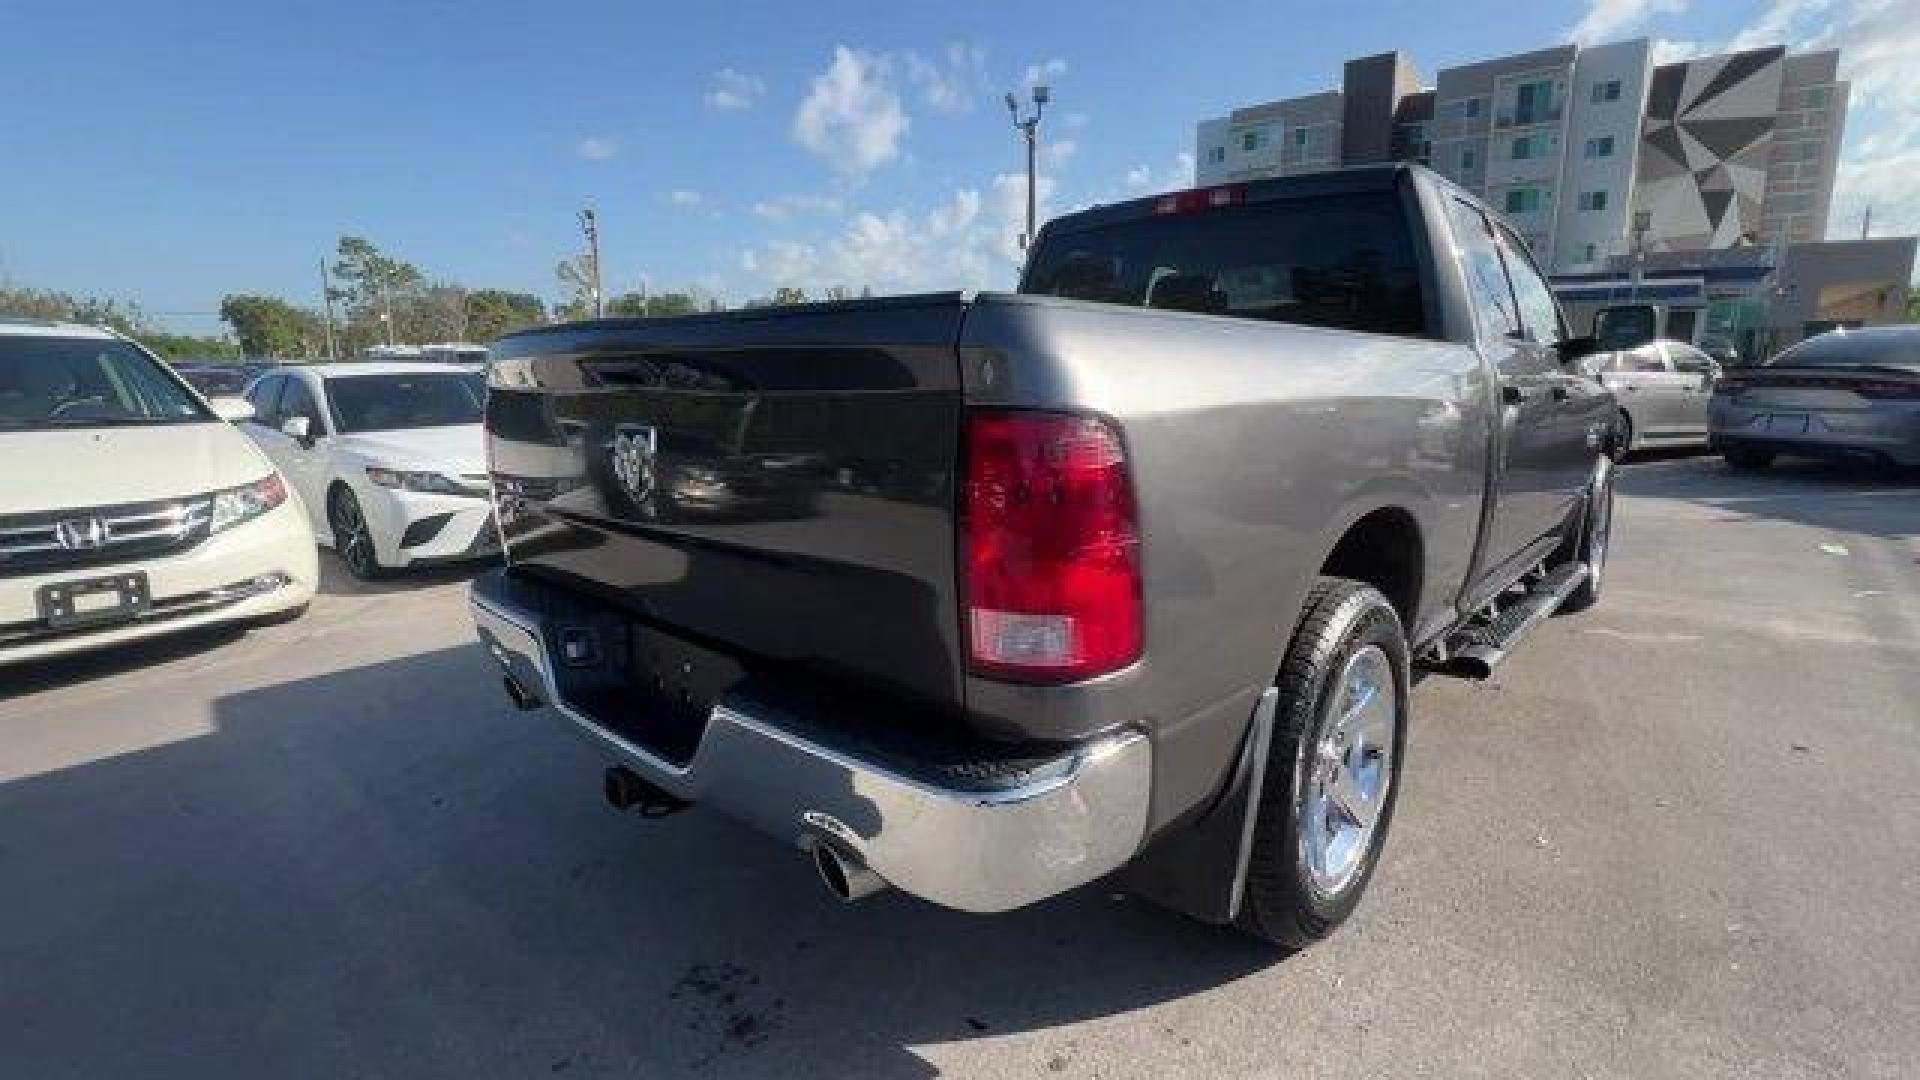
point(1344, 260)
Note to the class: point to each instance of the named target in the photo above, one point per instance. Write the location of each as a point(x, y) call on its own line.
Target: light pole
point(590, 224)
point(1030, 127)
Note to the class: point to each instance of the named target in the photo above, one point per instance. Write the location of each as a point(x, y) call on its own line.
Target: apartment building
point(1740, 150)
point(1587, 151)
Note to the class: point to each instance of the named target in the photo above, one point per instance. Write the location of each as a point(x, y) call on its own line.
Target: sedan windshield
point(85, 382)
point(395, 401)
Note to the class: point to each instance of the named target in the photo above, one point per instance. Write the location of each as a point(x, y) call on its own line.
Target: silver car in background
point(1663, 388)
point(1844, 394)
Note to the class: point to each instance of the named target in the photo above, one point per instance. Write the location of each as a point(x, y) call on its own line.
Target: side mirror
point(234, 410)
point(1626, 326)
point(298, 428)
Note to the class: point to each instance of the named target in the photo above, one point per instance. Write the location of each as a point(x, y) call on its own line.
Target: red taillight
point(1198, 199)
point(1051, 541)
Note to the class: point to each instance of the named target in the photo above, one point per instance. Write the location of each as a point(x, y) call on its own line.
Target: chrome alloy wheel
point(352, 537)
point(1349, 772)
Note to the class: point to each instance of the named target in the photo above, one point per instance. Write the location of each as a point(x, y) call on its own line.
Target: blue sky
point(171, 153)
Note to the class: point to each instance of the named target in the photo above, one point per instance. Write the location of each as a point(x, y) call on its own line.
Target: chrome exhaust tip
point(844, 875)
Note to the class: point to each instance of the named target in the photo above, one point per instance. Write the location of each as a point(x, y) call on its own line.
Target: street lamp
point(1029, 127)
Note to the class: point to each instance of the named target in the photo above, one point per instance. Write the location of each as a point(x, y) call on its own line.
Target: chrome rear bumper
point(1079, 818)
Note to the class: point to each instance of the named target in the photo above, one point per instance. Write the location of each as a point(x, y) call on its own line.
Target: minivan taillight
point(1050, 539)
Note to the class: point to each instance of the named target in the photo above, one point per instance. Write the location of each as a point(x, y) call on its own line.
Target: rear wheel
point(1746, 458)
point(1622, 436)
point(352, 536)
point(1333, 766)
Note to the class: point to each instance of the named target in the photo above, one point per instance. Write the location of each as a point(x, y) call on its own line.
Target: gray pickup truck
point(987, 596)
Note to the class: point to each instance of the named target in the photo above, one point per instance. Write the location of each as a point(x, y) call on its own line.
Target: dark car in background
point(1849, 394)
point(216, 380)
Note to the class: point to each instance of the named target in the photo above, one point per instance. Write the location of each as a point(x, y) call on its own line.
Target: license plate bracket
point(87, 601)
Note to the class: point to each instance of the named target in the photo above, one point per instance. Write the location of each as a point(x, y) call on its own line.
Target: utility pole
point(591, 226)
point(1030, 127)
point(326, 296)
point(1641, 222)
point(1866, 222)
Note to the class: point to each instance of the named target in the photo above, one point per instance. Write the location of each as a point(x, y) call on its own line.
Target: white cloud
point(852, 119)
point(1058, 152)
point(1046, 72)
point(1074, 121)
point(1139, 177)
point(949, 246)
point(734, 90)
point(683, 197)
point(1183, 169)
point(597, 148)
point(783, 207)
point(1609, 20)
point(949, 83)
point(1669, 51)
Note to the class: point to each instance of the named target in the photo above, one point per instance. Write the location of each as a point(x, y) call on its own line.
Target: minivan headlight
point(246, 502)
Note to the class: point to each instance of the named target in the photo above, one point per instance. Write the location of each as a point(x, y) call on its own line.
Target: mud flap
point(1201, 870)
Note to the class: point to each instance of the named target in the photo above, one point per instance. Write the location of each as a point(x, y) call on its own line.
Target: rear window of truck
point(1343, 261)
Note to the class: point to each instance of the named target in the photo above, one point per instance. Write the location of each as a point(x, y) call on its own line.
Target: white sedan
point(388, 458)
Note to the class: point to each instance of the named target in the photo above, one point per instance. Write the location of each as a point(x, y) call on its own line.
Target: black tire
point(1283, 903)
point(352, 537)
point(1622, 437)
point(1593, 542)
point(1746, 458)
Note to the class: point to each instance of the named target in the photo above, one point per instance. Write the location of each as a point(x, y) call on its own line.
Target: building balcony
point(1518, 118)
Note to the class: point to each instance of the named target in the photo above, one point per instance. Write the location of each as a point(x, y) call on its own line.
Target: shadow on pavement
point(387, 871)
point(36, 676)
point(1845, 497)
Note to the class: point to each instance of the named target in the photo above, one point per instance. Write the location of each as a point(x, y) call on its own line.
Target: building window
point(1593, 200)
point(1522, 148)
point(1802, 151)
point(1588, 252)
point(1217, 155)
point(1470, 108)
point(1533, 103)
point(1522, 200)
point(1819, 96)
point(1250, 141)
point(1299, 136)
point(1798, 202)
point(1600, 147)
point(1468, 159)
point(1606, 91)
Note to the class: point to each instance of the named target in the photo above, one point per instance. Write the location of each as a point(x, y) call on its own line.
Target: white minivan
point(129, 506)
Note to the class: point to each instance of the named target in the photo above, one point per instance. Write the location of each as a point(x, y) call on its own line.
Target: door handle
point(1560, 393)
point(1511, 394)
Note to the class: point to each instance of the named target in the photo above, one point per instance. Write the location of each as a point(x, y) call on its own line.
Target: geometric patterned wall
point(1704, 149)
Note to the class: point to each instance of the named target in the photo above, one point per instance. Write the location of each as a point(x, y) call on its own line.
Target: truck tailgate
point(775, 485)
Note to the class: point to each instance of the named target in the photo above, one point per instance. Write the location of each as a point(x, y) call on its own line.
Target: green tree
point(270, 326)
point(176, 348)
point(494, 312)
point(577, 276)
point(653, 306)
point(376, 289)
point(20, 303)
point(789, 294)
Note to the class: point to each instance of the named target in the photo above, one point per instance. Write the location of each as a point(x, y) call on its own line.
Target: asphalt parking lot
point(1676, 836)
